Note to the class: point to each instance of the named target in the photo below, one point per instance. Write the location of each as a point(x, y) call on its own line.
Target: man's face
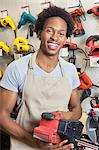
point(53, 36)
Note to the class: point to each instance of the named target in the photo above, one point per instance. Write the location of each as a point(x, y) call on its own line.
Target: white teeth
point(52, 45)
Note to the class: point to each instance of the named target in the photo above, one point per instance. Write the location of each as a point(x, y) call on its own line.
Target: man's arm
point(74, 106)
point(7, 102)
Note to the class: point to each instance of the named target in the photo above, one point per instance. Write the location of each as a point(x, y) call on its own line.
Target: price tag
point(26, 9)
point(72, 3)
point(96, 1)
point(94, 61)
point(17, 56)
point(1, 54)
point(45, 5)
point(3, 14)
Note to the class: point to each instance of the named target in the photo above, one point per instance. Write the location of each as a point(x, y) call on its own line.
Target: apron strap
point(32, 60)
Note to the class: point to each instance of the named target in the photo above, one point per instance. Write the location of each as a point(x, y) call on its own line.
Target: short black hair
point(53, 11)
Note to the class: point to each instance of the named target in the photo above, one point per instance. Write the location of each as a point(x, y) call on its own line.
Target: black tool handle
point(47, 116)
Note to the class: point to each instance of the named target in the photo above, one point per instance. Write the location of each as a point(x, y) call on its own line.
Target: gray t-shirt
point(15, 74)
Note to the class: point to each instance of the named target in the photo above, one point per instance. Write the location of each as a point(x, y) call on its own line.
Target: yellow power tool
point(7, 21)
point(21, 44)
point(1, 74)
point(4, 47)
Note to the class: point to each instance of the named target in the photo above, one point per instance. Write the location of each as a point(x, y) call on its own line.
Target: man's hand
point(61, 146)
point(50, 146)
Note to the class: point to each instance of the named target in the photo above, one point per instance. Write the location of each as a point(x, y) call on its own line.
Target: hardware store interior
point(19, 39)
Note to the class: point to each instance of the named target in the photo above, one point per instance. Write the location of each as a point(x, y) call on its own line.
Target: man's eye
point(48, 30)
point(62, 34)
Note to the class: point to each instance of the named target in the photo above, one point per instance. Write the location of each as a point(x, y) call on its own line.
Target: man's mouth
point(53, 46)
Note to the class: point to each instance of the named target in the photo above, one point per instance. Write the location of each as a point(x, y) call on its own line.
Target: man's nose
point(54, 36)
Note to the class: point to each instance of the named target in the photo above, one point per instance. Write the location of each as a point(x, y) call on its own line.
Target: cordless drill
point(76, 15)
point(94, 10)
point(7, 21)
point(54, 129)
point(71, 47)
point(4, 47)
point(90, 42)
point(26, 18)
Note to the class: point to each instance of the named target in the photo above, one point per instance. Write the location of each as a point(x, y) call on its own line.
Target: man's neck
point(45, 62)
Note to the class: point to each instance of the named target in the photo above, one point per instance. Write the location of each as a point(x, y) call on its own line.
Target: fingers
point(68, 147)
point(65, 146)
point(61, 146)
point(63, 142)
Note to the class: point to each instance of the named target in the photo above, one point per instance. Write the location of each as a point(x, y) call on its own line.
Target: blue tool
point(26, 18)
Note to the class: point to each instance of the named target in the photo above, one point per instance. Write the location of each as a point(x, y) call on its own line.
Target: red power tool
point(70, 45)
point(53, 129)
point(90, 42)
point(94, 10)
point(76, 14)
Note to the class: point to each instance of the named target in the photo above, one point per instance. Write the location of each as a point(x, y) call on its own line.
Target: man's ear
point(39, 35)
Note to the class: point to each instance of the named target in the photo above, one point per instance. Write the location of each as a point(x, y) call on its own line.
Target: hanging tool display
point(26, 18)
point(90, 139)
point(4, 47)
point(1, 74)
point(85, 81)
point(53, 129)
point(90, 42)
point(94, 10)
point(95, 102)
point(77, 14)
point(92, 125)
point(21, 45)
point(7, 21)
point(71, 47)
point(74, 57)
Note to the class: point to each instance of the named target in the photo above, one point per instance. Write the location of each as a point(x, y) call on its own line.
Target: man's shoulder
point(20, 65)
point(66, 63)
point(22, 61)
point(15, 74)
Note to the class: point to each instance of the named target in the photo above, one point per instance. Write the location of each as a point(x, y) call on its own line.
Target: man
point(47, 82)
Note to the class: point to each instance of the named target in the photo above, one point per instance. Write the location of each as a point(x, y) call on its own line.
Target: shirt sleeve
point(75, 78)
point(10, 79)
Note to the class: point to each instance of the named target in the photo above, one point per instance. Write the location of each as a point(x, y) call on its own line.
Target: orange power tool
point(85, 81)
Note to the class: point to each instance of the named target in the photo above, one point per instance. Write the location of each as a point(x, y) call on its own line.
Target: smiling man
point(48, 83)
